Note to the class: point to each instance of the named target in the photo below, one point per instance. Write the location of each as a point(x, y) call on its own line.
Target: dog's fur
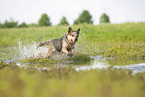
point(65, 45)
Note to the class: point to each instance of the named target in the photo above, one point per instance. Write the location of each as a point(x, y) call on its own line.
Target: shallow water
point(102, 63)
point(97, 62)
point(136, 68)
point(94, 64)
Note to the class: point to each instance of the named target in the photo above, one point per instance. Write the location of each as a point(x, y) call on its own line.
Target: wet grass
point(125, 61)
point(124, 42)
point(3, 64)
point(66, 82)
point(78, 59)
point(36, 60)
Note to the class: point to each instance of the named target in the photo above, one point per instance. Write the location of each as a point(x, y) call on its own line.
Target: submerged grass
point(80, 58)
point(66, 82)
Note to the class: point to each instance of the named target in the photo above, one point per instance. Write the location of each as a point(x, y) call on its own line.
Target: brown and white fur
point(64, 45)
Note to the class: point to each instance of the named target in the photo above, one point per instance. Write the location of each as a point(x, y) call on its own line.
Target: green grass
point(66, 82)
point(78, 59)
point(125, 42)
point(110, 40)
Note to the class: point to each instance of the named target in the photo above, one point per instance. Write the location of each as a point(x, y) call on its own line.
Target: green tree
point(104, 18)
point(10, 24)
point(32, 25)
point(85, 17)
point(23, 25)
point(63, 22)
point(44, 20)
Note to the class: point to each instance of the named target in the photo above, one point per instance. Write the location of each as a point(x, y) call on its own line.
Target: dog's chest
point(69, 48)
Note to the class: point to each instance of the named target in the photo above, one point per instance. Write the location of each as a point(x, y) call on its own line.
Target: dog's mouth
point(73, 41)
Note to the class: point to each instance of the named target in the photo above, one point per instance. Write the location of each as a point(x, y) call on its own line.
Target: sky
point(30, 11)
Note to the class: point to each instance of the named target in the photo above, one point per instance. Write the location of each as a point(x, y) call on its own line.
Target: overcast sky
point(29, 11)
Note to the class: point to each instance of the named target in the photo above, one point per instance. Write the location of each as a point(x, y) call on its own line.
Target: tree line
point(84, 17)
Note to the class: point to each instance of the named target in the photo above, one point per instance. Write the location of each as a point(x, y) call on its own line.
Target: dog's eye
point(72, 35)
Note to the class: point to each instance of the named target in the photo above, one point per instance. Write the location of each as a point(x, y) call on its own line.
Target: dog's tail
point(44, 43)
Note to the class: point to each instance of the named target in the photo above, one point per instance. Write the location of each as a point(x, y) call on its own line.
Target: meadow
point(124, 43)
point(115, 40)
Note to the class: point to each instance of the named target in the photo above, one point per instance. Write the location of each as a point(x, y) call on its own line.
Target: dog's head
point(72, 36)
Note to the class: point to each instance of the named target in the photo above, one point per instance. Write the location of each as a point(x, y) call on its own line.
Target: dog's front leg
point(72, 52)
point(64, 51)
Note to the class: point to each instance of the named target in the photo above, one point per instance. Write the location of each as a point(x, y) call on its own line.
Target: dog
point(64, 45)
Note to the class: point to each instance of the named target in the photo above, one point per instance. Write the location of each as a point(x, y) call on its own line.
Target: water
point(136, 68)
point(27, 51)
point(97, 62)
point(94, 64)
point(101, 63)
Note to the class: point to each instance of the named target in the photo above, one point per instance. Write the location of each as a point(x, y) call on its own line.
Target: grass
point(78, 58)
point(36, 60)
point(110, 40)
point(66, 82)
point(124, 42)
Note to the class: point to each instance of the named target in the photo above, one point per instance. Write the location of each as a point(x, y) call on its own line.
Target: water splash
point(29, 50)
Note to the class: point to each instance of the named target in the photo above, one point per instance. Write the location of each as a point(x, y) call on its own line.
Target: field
point(118, 44)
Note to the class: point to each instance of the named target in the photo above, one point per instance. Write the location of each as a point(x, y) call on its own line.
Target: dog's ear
point(69, 29)
point(78, 31)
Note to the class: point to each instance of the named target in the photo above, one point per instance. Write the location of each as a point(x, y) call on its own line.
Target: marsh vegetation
point(115, 44)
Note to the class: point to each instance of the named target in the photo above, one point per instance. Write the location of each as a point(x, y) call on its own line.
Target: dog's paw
point(70, 54)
